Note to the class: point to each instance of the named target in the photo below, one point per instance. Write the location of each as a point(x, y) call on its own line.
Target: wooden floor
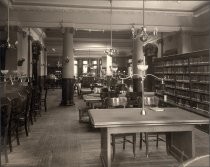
point(57, 139)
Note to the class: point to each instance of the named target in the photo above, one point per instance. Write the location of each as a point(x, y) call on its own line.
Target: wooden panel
point(182, 145)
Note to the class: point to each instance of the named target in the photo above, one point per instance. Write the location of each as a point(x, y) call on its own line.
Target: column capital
point(70, 29)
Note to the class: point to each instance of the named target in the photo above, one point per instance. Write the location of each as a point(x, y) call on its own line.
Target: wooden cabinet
point(186, 80)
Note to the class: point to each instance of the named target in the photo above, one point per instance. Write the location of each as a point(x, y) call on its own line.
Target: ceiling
point(91, 20)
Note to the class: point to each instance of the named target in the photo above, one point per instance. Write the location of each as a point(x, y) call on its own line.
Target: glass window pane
point(75, 71)
point(75, 61)
point(85, 62)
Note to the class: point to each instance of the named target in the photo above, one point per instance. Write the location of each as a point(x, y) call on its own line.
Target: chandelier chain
point(8, 21)
point(143, 13)
point(111, 21)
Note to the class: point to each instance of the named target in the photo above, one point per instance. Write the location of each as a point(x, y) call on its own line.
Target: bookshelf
point(187, 79)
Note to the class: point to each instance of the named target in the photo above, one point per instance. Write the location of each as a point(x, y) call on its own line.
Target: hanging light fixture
point(143, 35)
point(111, 51)
point(143, 30)
point(8, 40)
point(8, 44)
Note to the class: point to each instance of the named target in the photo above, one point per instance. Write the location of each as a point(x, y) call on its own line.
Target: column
point(45, 66)
point(137, 55)
point(41, 66)
point(3, 39)
point(36, 52)
point(30, 62)
point(185, 45)
point(68, 68)
point(108, 65)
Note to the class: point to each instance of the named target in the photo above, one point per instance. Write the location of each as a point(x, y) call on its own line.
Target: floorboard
point(57, 139)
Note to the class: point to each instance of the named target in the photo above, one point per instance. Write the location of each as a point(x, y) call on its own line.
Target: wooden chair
point(36, 103)
point(120, 102)
point(132, 98)
point(16, 113)
point(5, 121)
point(43, 99)
point(150, 101)
point(25, 95)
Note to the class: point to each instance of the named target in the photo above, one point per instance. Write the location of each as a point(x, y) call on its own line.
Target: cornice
point(4, 2)
point(99, 10)
point(39, 32)
point(116, 27)
point(201, 11)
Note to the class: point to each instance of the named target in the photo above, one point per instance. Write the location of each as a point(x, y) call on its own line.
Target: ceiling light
point(143, 35)
point(8, 44)
point(111, 51)
point(143, 31)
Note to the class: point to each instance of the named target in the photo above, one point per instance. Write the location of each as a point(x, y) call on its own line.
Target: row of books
point(197, 60)
point(200, 78)
point(204, 87)
point(195, 69)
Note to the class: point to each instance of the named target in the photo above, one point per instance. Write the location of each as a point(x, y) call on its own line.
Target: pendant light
point(9, 45)
point(143, 35)
point(111, 51)
point(143, 31)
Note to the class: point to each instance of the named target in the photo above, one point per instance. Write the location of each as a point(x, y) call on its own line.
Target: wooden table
point(86, 91)
point(92, 99)
point(178, 124)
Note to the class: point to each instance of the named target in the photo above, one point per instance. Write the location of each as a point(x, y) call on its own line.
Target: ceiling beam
point(201, 11)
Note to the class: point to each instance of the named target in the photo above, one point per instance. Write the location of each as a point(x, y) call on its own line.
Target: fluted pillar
point(68, 68)
point(137, 55)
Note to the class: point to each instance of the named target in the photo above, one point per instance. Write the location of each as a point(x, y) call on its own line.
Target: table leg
point(105, 147)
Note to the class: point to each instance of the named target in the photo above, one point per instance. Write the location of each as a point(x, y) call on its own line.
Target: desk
point(86, 91)
point(178, 124)
point(91, 99)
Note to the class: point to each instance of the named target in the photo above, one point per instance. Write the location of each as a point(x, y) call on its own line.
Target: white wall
point(200, 41)
point(12, 55)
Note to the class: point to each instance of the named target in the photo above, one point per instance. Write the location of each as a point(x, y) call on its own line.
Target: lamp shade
point(142, 67)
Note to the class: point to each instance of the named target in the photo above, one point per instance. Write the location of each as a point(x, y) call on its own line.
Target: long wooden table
point(92, 99)
point(177, 123)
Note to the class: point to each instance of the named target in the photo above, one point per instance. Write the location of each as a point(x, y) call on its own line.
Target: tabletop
point(92, 98)
point(132, 116)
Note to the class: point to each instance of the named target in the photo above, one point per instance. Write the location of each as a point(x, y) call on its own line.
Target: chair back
point(116, 102)
point(44, 93)
point(97, 90)
point(5, 115)
point(133, 99)
point(15, 102)
point(152, 101)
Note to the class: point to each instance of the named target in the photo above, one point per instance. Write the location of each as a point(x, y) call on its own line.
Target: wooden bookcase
point(187, 79)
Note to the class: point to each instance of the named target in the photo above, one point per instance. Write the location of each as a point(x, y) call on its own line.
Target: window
point(75, 68)
point(85, 66)
point(94, 64)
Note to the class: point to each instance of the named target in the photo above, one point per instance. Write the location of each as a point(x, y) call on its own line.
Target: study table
point(92, 99)
point(178, 124)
